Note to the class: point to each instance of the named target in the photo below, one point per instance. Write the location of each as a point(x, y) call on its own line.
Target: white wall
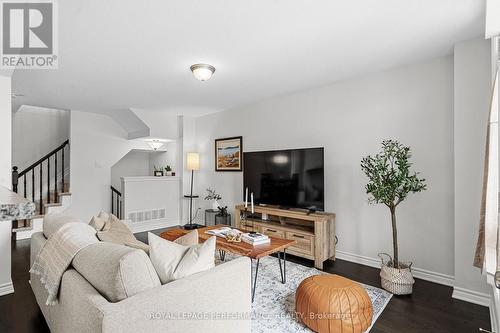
point(5, 180)
point(412, 104)
point(188, 142)
point(164, 158)
point(35, 132)
point(161, 124)
point(97, 143)
point(135, 163)
point(472, 73)
point(151, 202)
point(5, 132)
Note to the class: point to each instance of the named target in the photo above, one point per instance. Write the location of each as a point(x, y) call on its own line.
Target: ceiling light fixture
point(202, 72)
point(155, 144)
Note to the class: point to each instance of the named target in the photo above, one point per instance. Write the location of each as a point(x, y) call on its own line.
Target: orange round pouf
point(331, 303)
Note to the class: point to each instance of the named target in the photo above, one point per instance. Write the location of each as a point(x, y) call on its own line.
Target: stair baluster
point(15, 179)
point(62, 168)
point(32, 186)
point(55, 176)
point(116, 195)
point(48, 180)
point(40, 189)
point(32, 168)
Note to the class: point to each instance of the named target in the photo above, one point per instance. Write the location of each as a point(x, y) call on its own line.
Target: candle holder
point(245, 215)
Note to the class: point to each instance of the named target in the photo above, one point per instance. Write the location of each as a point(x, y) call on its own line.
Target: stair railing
point(28, 175)
point(116, 202)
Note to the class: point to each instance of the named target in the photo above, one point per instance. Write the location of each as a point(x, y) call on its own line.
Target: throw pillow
point(115, 231)
point(191, 238)
point(98, 222)
point(173, 261)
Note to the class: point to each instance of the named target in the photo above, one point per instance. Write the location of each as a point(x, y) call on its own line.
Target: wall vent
point(148, 215)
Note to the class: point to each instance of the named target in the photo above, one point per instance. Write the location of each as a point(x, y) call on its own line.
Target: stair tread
point(22, 229)
point(52, 204)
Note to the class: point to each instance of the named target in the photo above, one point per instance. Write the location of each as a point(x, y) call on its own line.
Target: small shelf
point(191, 196)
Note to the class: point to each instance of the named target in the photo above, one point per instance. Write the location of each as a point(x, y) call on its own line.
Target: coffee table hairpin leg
point(282, 272)
point(255, 277)
point(222, 255)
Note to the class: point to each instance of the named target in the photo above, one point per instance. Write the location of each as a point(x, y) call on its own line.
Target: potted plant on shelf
point(158, 172)
point(390, 182)
point(168, 170)
point(214, 197)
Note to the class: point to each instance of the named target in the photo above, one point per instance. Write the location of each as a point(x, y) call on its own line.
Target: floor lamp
point(192, 164)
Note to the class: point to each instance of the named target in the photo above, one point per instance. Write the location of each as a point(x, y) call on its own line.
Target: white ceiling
point(118, 54)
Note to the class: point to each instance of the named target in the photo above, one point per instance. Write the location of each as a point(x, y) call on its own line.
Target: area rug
point(273, 309)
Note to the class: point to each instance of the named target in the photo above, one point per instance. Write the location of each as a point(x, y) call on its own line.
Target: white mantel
point(151, 202)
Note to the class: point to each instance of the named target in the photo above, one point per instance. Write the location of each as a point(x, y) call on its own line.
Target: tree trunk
point(395, 263)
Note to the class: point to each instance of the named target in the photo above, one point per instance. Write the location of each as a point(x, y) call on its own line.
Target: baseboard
point(419, 273)
point(6, 288)
point(472, 296)
point(493, 316)
point(20, 235)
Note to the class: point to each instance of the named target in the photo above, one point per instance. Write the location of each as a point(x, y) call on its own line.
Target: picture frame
point(229, 154)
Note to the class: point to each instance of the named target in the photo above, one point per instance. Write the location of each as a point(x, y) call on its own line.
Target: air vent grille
point(148, 215)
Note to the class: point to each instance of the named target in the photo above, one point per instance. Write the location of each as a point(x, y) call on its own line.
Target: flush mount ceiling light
point(202, 72)
point(155, 144)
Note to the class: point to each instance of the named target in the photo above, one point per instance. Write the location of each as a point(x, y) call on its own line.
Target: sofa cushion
point(52, 222)
point(116, 271)
point(173, 261)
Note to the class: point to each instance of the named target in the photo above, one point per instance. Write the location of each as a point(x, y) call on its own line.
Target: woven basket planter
point(398, 281)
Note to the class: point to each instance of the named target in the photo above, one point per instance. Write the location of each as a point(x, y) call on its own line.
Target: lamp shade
point(193, 161)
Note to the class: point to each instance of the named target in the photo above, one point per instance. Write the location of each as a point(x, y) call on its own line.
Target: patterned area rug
point(273, 309)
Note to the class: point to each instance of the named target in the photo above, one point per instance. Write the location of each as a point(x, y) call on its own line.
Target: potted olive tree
point(390, 182)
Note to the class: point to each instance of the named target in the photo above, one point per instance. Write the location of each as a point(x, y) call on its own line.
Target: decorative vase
point(215, 205)
point(169, 173)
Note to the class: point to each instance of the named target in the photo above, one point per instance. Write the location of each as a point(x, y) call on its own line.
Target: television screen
point(291, 178)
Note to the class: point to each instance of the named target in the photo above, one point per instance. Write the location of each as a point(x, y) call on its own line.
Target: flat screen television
point(292, 178)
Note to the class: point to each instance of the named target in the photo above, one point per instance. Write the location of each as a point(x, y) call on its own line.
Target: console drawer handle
point(298, 236)
point(271, 230)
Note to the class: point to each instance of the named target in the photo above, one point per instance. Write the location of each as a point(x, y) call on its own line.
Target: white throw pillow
point(173, 261)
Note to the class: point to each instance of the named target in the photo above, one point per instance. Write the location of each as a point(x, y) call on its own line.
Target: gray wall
point(413, 104)
point(472, 74)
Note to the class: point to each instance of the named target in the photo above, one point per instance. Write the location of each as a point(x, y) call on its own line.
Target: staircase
point(46, 183)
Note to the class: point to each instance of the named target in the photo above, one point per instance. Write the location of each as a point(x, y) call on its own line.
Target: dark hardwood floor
point(429, 309)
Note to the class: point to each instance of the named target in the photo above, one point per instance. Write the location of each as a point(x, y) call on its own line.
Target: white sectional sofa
point(112, 288)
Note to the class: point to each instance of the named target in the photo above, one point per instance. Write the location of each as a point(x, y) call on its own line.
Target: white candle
point(246, 197)
point(251, 199)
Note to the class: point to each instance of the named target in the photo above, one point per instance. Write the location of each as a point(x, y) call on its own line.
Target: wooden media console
point(314, 233)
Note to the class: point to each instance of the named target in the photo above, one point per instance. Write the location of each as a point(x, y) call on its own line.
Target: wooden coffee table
point(255, 253)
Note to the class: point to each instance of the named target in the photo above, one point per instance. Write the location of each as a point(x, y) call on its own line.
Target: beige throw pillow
point(173, 261)
point(115, 231)
point(98, 222)
point(188, 239)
